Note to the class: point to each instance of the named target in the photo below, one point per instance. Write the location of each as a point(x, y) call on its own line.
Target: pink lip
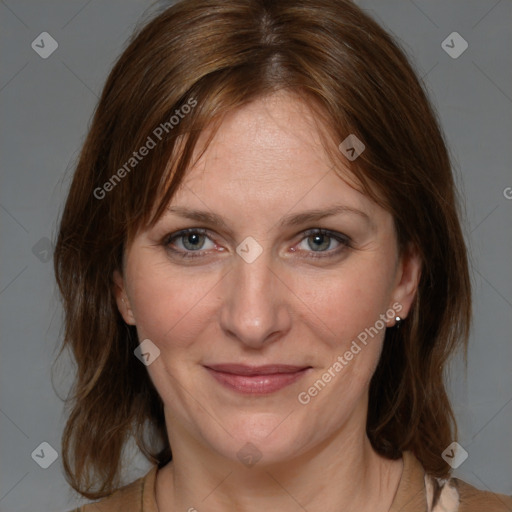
point(256, 379)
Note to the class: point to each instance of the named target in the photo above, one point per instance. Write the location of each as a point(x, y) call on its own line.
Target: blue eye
point(192, 240)
point(193, 243)
point(321, 240)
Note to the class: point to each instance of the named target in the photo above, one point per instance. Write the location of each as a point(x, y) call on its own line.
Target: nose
point(256, 308)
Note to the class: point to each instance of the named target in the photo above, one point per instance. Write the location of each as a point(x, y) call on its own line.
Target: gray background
point(46, 107)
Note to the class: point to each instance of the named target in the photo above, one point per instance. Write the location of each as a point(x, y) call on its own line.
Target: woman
point(263, 271)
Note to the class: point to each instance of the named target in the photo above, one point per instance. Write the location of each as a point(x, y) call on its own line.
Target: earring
point(398, 322)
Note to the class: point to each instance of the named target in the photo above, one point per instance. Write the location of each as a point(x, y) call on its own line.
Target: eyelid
point(344, 240)
point(182, 232)
point(341, 237)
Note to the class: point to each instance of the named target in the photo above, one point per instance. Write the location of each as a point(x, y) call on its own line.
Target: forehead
point(275, 130)
point(271, 151)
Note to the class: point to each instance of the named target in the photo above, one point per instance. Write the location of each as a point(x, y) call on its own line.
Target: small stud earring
point(398, 322)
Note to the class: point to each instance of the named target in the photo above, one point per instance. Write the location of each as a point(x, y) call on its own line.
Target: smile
point(256, 380)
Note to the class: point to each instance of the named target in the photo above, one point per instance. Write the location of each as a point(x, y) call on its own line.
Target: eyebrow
point(288, 220)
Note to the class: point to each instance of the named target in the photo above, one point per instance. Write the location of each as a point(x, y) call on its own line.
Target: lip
point(256, 380)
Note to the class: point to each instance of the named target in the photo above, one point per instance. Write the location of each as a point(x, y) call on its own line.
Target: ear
point(408, 275)
point(123, 304)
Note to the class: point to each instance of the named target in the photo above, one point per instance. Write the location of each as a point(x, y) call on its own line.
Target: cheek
point(344, 322)
point(342, 305)
point(166, 305)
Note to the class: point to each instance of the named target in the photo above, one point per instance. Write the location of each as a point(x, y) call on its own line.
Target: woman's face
point(270, 313)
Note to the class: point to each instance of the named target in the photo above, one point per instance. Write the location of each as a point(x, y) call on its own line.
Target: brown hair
point(216, 56)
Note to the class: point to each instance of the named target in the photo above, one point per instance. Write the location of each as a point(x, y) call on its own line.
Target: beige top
point(415, 490)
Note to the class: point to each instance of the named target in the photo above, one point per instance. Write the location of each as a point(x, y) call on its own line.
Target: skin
point(267, 162)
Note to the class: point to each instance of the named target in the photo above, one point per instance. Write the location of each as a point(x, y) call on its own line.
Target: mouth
point(256, 380)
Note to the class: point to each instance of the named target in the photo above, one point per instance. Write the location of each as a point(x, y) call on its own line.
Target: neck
point(344, 473)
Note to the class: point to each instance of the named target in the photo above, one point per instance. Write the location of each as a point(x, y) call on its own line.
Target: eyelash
point(345, 241)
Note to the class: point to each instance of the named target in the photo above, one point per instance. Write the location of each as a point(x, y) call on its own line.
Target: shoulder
point(453, 494)
point(138, 496)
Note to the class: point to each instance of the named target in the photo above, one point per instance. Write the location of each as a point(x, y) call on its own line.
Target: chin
point(262, 438)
